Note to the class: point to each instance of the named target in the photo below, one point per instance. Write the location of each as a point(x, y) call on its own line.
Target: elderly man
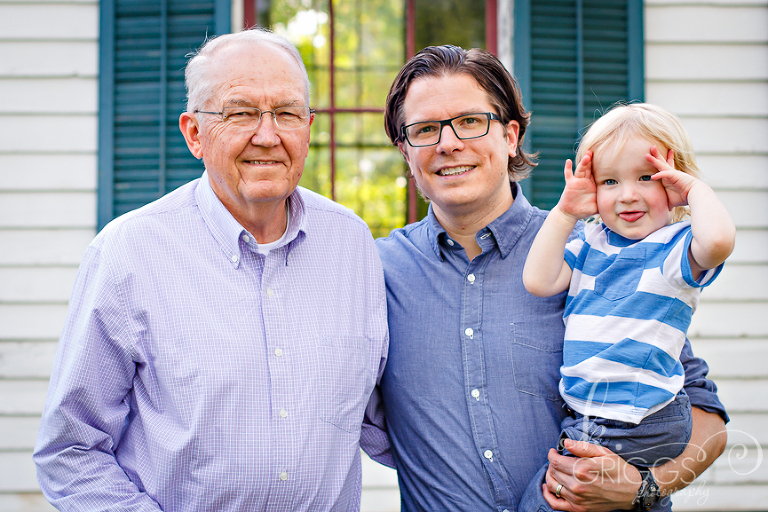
point(222, 342)
point(470, 389)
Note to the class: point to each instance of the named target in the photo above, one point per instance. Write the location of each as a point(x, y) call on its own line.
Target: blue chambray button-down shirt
point(194, 373)
point(471, 385)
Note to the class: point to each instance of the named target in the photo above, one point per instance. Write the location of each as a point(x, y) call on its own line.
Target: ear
point(404, 152)
point(191, 132)
point(513, 132)
point(309, 132)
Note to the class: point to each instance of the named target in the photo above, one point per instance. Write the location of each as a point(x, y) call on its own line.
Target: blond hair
point(651, 122)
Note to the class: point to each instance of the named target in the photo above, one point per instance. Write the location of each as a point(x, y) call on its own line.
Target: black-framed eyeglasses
point(248, 118)
point(467, 126)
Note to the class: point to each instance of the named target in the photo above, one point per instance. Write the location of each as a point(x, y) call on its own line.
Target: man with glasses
point(470, 389)
point(222, 342)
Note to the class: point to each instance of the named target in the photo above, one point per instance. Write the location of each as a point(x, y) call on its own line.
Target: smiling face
point(628, 201)
point(460, 177)
point(251, 168)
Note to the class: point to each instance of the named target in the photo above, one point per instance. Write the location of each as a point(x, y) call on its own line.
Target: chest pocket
point(343, 380)
point(536, 359)
point(621, 278)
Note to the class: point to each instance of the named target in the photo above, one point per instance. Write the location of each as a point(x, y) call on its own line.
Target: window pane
point(372, 183)
point(456, 22)
point(369, 50)
point(365, 129)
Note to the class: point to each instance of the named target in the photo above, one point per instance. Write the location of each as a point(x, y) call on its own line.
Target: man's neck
point(464, 226)
point(266, 222)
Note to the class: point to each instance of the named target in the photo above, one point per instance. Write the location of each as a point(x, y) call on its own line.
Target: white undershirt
point(265, 248)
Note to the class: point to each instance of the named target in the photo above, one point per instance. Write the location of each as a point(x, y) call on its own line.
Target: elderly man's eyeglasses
point(468, 126)
point(248, 118)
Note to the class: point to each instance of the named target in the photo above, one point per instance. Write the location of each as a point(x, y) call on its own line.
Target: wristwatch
point(649, 493)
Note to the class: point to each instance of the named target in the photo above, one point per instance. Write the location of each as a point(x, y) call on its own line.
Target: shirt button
point(270, 292)
point(449, 242)
point(278, 352)
point(471, 278)
point(283, 476)
point(234, 258)
point(476, 394)
point(469, 332)
point(246, 239)
point(283, 413)
point(488, 454)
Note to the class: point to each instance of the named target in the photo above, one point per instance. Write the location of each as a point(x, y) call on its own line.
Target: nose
point(265, 133)
point(628, 193)
point(449, 141)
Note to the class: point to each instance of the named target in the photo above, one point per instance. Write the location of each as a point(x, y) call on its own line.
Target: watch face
point(651, 496)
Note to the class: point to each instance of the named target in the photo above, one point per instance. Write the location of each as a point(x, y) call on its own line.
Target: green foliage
point(369, 51)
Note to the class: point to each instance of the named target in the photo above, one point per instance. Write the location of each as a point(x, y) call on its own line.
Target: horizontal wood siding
point(707, 61)
point(48, 132)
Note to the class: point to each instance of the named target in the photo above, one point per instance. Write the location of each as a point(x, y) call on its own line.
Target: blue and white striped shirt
point(194, 373)
point(627, 312)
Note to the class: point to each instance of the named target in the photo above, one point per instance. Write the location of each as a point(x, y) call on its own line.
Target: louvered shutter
point(144, 43)
point(574, 59)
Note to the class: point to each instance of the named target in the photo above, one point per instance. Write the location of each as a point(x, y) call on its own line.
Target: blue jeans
point(660, 437)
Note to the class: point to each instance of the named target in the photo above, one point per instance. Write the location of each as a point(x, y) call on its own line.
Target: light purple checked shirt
point(195, 374)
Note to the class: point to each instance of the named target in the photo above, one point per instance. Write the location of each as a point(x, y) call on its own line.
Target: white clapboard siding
point(707, 61)
point(22, 398)
point(26, 359)
point(17, 472)
point(702, 496)
point(48, 59)
point(739, 61)
point(40, 172)
point(748, 429)
point(748, 99)
point(59, 95)
point(44, 246)
point(65, 20)
point(47, 210)
point(680, 23)
point(727, 134)
point(380, 492)
point(733, 358)
point(36, 284)
point(18, 433)
point(735, 171)
point(732, 394)
point(48, 175)
point(730, 319)
point(747, 208)
point(25, 502)
point(739, 282)
point(750, 247)
point(46, 134)
point(22, 322)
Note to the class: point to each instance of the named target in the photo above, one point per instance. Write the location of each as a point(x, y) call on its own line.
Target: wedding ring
point(557, 491)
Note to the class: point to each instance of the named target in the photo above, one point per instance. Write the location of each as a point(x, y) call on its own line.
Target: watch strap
point(649, 492)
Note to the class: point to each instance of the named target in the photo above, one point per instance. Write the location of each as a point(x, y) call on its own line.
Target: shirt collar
point(506, 228)
point(228, 232)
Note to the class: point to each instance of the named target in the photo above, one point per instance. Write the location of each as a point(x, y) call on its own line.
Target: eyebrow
point(248, 103)
point(465, 112)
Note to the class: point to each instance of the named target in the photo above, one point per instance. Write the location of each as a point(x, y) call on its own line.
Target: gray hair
point(198, 80)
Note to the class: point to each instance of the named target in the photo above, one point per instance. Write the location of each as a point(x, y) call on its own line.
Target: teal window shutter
point(143, 49)
point(574, 59)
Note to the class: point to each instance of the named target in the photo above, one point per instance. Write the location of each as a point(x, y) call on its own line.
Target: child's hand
point(677, 183)
point(579, 198)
